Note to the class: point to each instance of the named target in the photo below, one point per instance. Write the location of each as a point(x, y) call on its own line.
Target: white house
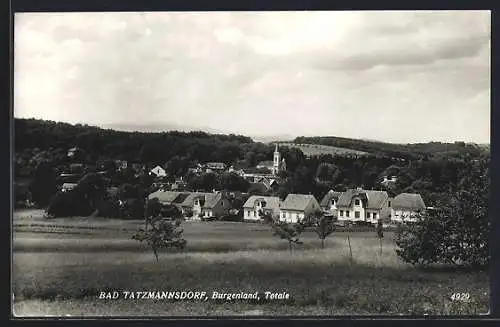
point(297, 206)
point(158, 172)
point(329, 202)
point(389, 180)
point(405, 206)
point(357, 205)
point(256, 203)
point(68, 187)
point(204, 205)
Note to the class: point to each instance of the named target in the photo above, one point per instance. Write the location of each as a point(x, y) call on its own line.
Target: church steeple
point(276, 161)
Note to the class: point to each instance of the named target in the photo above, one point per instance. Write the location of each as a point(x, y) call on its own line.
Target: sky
point(407, 76)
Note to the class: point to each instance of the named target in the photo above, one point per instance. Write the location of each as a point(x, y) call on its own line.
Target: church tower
point(276, 161)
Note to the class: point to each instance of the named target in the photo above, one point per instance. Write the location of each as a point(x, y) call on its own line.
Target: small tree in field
point(323, 225)
point(152, 210)
point(161, 234)
point(288, 231)
point(380, 233)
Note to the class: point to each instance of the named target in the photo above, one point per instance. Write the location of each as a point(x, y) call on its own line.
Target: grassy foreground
point(62, 274)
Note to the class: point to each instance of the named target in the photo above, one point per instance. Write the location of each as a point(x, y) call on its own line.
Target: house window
point(374, 215)
point(248, 213)
point(356, 202)
point(347, 213)
point(367, 215)
point(389, 204)
point(284, 215)
point(341, 213)
point(297, 216)
point(356, 214)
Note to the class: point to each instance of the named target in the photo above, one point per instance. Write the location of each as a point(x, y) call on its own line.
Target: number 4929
point(460, 297)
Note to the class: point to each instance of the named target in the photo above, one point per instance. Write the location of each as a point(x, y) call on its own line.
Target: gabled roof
point(209, 199)
point(328, 196)
point(374, 199)
point(261, 187)
point(410, 201)
point(297, 202)
point(216, 165)
point(69, 185)
point(272, 202)
point(164, 196)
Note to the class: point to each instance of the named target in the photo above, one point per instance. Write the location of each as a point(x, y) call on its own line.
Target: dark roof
point(297, 202)
point(271, 201)
point(164, 196)
point(261, 187)
point(209, 199)
point(180, 198)
point(411, 201)
point(374, 199)
point(328, 196)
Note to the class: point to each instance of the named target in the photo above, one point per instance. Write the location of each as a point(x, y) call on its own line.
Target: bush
point(109, 208)
point(68, 204)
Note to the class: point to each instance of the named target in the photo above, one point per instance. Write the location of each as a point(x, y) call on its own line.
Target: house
point(72, 152)
point(68, 187)
point(256, 203)
point(215, 166)
point(358, 205)
point(158, 172)
point(389, 180)
point(259, 188)
point(76, 168)
point(165, 197)
point(206, 205)
point(405, 206)
point(297, 206)
point(269, 165)
point(329, 202)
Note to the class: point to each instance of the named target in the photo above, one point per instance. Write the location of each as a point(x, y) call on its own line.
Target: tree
point(152, 210)
point(44, 184)
point(380, 233)
point(455, 232)
point(161, 234)
point(288, 231)
point(323, 225)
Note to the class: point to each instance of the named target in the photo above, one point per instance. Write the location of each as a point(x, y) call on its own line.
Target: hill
point(311, 150)
point(404, 151)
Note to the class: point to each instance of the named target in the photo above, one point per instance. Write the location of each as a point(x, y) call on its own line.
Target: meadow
point(61, 265)
point(317, 149)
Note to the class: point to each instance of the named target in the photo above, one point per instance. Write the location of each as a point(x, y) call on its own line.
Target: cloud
point(355, 74)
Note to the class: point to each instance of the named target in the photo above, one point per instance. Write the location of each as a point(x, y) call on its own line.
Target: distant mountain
point(158, 128)
point(272, 139)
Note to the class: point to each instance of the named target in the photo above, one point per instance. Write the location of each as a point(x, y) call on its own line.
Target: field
point(60, 266)
point(317, 149)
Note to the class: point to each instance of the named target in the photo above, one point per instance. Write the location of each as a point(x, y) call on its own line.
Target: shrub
point(68, 204)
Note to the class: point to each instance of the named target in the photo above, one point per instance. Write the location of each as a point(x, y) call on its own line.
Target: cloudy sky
point(390, 76)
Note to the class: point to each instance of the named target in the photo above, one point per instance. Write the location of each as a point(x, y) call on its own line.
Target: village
point(356, 206)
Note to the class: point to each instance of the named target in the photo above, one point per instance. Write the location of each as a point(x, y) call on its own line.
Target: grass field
point(317, 149)
point(61, 265)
